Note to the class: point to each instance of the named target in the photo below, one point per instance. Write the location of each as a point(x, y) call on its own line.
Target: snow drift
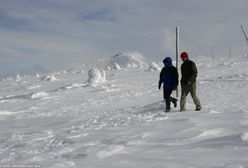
point(123, 61)
point(95, 76)
point(128, 60)
point(153, 66)
point(49, 77)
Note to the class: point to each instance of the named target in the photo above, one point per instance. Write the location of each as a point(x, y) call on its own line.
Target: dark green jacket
point(189, 72)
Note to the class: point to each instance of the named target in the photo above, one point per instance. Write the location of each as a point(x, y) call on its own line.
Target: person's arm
point(160, 79)
point(176, 78)
point(194, 72)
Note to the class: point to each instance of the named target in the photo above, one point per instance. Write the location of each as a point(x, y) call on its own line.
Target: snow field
point(121, 122)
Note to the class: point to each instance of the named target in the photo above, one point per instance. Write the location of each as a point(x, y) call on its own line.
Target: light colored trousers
point(186, 89)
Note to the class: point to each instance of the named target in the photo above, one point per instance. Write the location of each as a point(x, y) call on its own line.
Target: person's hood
point(168, 60)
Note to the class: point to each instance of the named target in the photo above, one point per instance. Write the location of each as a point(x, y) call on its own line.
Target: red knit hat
point(184, 56)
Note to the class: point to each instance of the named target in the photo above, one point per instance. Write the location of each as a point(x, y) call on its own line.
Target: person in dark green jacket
point(188, 82)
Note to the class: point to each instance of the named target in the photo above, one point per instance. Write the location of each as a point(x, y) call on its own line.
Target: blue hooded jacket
point(168, 75)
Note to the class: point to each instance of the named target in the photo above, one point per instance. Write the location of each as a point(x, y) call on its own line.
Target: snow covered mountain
point(115, 118)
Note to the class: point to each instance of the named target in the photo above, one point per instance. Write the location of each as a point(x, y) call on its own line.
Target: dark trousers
point(168, 98)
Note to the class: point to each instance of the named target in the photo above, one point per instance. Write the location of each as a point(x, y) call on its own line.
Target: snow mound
point(18, 78)
point(117, 66)
point(153, 66)
point(39, 95)
point(37, 75)
point(49, 78)
point(96, 76)
point(126, 60)
point(33, 87)
point(74, 85)
point(244, 137)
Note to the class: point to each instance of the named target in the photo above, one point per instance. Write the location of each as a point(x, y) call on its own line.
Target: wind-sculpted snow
point(49, 77)
point(127, 60)
point(154, 67)
point(95, 76)
point(123, 61)
point(117, 119)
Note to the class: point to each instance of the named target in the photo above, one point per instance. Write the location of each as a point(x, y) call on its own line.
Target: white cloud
point(72, 32)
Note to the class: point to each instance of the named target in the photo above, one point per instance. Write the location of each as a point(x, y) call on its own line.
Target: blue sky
point(59, 34)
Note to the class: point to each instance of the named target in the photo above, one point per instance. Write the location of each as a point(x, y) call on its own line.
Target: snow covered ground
point(117, 120)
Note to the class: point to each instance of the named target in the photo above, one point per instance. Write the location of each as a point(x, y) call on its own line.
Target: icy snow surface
point(64, 123)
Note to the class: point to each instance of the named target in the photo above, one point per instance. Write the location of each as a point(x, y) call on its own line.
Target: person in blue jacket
point(169, 78)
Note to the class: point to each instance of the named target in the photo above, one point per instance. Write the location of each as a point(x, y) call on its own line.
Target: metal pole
point(244, 33)
point(230, 51)
point(177, 52)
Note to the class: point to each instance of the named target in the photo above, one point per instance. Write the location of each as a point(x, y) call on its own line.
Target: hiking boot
point(167, 109)
point(174, 101)
point(198, 108)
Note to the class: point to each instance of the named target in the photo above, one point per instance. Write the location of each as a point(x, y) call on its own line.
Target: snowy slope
point(119, 121)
